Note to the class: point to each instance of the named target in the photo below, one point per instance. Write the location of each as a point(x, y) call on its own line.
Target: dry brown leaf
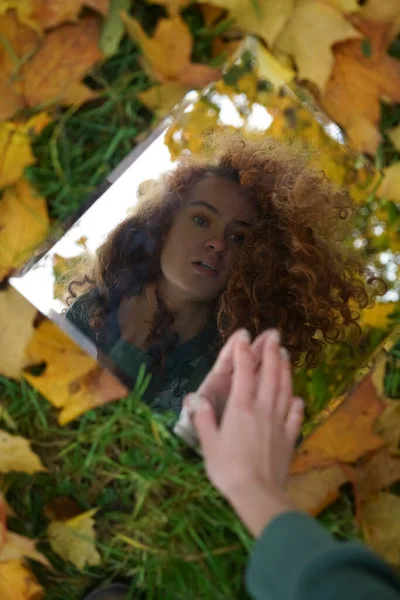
point(312, 492)
point(15, 147)
point(74, 540)
point(388, 425)
point(375, 473)
point(267, 20)
point(167, 54)
point(16, 455)
point(66, 55)
point(50, 14)
point(17, 582)
point(390, 185)
point(24, 224)
point(380, 522)
point(346, 435)
point(314, 26)
point(61, 509)
point(173, 6)
point(16, 326)
point(23, 41)
point(72, 380)
point(358, 83)
point(162, 98)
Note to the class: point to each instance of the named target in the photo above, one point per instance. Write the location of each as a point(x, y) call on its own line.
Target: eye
point(200, 221)
point(238, 238)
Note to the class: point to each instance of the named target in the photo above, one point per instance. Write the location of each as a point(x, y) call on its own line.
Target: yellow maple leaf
point(16, 455)
point(265, 19)
point(24, 224)
point(380, 519)
point(390, 184)
point(314, 26)
point(74, 540)
point(72, 380)
point(378, 315)
point(167, 55)
point(17, 582)
point(162, 98)
point(65, 56)
point(16, 326)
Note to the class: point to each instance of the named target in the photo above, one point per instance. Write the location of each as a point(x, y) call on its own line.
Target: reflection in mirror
point(224, 221)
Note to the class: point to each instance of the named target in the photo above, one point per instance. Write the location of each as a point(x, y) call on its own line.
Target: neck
point(191, 315)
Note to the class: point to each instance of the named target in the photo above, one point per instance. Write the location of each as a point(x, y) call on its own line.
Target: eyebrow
point(214, 210)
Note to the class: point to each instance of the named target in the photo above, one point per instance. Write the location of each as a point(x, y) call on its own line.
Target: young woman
point(252, 238)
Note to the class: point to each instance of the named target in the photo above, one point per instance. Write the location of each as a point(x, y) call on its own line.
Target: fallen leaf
point(17, 582)
point(314, 26)
point(76, 94)
point(346, 6)
point(390, 184)
point(266, 18)
point(65, 269)
point(374, 473)
point(71, 380)
point(358, 83)
point(388, 425)
point(24, 224)
point(346, 435)
point(23, 41)
point(162, 98)
point(74, 540)
point(16, 326)
point(61, 509)
point(394, 135)
point(17, 547)
point(50, 14)
point(113, 28)
point(66, 55)
point(313, 491)
point(380, 521)
point(383, 12)
point(173, 6)
point(23, 9)
point(15, 147)
point(16, 455)
point(167, 54)
point(211, 14)
point(271, 69)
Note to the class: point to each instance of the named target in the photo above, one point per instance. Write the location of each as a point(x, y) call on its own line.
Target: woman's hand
point(135, 316)
point(247, 458)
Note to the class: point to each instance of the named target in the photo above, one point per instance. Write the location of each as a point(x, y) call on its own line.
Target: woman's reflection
point(251, 238)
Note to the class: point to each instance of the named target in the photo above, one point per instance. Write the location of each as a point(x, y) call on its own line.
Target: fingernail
point(284, 353)
point(275, 336)
point(245, 335)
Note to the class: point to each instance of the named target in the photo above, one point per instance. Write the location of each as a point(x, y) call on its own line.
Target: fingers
point(244, 377)
point(269, 374)
point(223, 366)
point(205, 423)
point(294, 420)
point(285, 390)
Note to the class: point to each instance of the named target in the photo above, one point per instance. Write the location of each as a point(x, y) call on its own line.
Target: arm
point(296, 559)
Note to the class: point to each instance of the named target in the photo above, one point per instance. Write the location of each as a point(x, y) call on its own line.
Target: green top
point(184, 369)
point(296, 559)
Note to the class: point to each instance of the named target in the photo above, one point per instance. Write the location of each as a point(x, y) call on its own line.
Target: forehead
point(224, 194)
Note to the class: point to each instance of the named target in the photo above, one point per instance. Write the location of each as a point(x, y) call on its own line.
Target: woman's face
point(205, 236)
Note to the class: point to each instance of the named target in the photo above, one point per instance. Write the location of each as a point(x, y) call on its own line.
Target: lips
point(209, 264)
point(206, 269)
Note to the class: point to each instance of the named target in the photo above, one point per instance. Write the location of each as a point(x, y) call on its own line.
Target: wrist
point(257, 507)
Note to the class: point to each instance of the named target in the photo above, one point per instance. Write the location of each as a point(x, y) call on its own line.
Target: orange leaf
point(346, 435)
point(312, 492)
point(72, 380)
point(380, 522)
point(375, 473)
point(66, 55)
point(17, 582)
point(168, 52)
point(358, 83)
point(50, 14)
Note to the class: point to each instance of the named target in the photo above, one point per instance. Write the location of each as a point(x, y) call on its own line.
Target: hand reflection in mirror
point(251, 238)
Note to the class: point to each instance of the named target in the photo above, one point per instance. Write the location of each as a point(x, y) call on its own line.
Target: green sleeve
point(296, 559)
point(128, 358)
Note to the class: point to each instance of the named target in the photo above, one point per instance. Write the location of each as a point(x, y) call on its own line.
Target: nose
point(217, 244)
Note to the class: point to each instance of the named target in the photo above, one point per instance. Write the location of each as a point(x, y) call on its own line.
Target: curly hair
point(297, 272)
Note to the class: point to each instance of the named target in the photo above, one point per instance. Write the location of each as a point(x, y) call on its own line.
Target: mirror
point(181, 248)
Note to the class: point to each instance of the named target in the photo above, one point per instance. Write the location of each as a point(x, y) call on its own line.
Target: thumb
point(205, 421)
